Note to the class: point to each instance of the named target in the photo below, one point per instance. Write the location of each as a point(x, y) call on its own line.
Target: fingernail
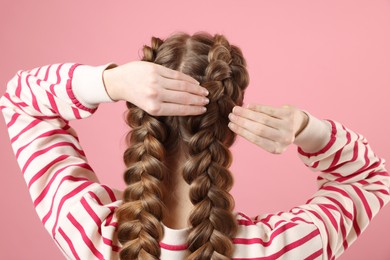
point(206, 100)
point(204, 109)
point(206, 92)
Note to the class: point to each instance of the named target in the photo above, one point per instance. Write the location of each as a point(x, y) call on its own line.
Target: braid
point(212, 220)
point(221, 68)
point(140, 215)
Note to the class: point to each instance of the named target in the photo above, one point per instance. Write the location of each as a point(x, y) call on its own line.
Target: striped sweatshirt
point(78, 211)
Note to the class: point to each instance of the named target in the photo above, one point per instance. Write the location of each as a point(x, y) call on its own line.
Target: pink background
point(331, 58)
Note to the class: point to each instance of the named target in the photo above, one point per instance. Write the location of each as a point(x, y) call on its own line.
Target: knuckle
point(288, 140)
point(153, 68)
point(277, 150)
point(153, 80)
point(176, 74)
point(273, 150)
point(152, 93)
point(154, 108)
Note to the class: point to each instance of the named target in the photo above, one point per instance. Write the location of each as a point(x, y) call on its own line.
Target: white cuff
point(88, 85)
point(315, 135)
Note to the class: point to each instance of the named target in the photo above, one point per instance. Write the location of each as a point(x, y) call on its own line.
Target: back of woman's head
point(221, 68)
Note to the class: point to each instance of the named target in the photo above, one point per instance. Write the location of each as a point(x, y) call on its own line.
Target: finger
point(171, 109)
point(185, 86)
point(257, 117)
point(264, 143)
point(185, 98)
point(255, 128)
point(269, 110)
point(174, 74)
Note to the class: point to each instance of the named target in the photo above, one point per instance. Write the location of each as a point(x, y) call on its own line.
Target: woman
point(177, 204)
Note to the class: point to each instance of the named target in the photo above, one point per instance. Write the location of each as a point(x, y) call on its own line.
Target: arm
point(353, 185)
point(353, 182)
point(76, 210)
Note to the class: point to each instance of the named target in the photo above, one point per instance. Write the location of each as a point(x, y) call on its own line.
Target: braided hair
point(221, 68)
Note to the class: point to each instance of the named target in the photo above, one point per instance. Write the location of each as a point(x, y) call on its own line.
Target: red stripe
point(19, 85)
point(362, 169)
point(327, 146)
point(287, 248)
point(364, 201)
point(52, 90)
point(47, 72)
point(244, 222)
point(34, 99)
point(71, 194)
point(295, 244)
point(112, 209)
point(63, 199)
point(295, 219)
point(90, 211)
point(48, 133)
point(340, 223)
point(46, 150)
point(330, 216)
point(244, 216)
point(318, 216)
point(249, 241)
point(84, 236)
point(48, 185)
point(315, 164)
point(335, 189)
point(69, 242)
point(354, 157)
point(266, 219)
point(36, 73)
point(173, 247)
point(337, 156)
point(346, 213)
point(19, 105)
point(355, 223)
point(29, 126)
point(76, 113)
point(110, 193)
point(13, 119)
point(53, 104)
point(45, 169)
point(314, 255)
point(98, 222)
point(95, 197)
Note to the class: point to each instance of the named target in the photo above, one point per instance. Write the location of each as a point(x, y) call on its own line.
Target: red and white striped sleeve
point(353, 185)
point(76, 210)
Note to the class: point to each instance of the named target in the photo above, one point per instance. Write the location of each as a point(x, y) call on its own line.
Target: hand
point(156, 89)
point(271, 128)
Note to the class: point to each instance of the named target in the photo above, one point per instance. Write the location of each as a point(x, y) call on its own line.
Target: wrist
point(304, 120)
point(110, 84)
point(315, 135)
